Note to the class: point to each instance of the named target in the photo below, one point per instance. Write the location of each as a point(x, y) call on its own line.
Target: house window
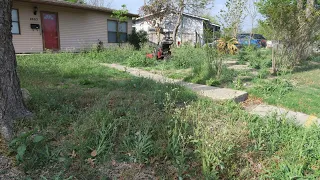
point(15, 22)
point(117, 31)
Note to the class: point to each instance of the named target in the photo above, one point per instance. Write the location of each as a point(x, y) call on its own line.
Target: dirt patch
point(124, 170)
point(251, 103)
point(7, 169)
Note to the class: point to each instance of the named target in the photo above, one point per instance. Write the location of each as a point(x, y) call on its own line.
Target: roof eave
point(75, 5)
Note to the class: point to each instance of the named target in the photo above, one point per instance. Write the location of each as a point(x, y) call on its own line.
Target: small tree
point(211, 18)
point(295, 25)
point(252, 12)
point(232, 18)
point(163, 8)
point(154, 12)
point(138, 39)
point(121, 16)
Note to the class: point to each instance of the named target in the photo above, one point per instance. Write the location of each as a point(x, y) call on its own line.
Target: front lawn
point(92, 122)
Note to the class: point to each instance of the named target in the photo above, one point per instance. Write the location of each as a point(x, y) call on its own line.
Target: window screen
point(117, 32)
point(15, 22)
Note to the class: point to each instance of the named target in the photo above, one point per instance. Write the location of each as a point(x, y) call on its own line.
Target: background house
point(193, 29)
point(38, 25)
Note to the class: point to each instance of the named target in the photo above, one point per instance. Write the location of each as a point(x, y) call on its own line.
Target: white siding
point(187, 29)
point(78, 28)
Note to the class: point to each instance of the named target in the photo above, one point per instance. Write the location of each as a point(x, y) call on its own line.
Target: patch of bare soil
point(251, 103)
point(131, 171)
point(7, 169)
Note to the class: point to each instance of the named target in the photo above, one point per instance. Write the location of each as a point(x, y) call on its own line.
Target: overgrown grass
point(257, 58)
point(297, 91)
point(92, 122)
point(195, 65)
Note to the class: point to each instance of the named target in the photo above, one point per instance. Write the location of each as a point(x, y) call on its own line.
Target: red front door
point(50, 30)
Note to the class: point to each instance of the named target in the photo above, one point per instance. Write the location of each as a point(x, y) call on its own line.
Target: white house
point(39, 25)
point(192, 29)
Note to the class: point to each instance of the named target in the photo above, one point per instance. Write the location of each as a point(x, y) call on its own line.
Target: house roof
point(185, 14)
point(75, 5)
point(199, 17)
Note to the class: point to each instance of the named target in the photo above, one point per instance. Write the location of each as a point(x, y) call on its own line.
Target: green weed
point(276, 87)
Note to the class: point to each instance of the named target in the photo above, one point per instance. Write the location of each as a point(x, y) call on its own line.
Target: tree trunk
point(300, 4)
point(274, 66)
point(11, 102)
point(310, 8)
point(176, 27)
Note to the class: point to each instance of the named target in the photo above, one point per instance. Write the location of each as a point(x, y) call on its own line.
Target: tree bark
point(180, 17)
point(11, 101)
point(310, 7)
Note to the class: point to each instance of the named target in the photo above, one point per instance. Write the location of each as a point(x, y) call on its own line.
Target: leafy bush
point(138, 39)
point(257, 59)
point(263, 73)
point(186, 56)
point(212, 82)
point(138, 59)
point(210, 70)
point(242, 57)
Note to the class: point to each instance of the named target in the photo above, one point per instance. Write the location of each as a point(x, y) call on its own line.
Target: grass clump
point(275, 88)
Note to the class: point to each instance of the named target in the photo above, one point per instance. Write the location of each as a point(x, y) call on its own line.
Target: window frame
point(18, 16)
point(117, 28)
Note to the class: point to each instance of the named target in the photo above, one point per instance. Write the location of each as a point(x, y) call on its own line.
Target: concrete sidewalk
point(219, 94)
point(264, 110)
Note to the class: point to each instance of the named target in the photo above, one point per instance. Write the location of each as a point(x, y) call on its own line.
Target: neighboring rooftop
point(186, 14)
point(75, 5)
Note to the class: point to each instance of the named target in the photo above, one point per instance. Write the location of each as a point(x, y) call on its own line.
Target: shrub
point(259, 59)
point(263, 73)
point(137, 59)
point(138, 39)
point(186, 56)
point(210, 70)
point(242, 57)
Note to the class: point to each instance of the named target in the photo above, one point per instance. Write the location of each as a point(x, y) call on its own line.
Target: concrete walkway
point(264, 110)
point(218, 94)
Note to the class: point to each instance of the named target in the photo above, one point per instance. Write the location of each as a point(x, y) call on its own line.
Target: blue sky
point(134, 5)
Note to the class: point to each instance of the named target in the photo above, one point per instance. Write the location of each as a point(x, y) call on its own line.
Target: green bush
point(260, 59)
point(187, 56)
point(137, 59)
point(211, 71)
point(242, 57)
point(138, 39)
point(263, 73)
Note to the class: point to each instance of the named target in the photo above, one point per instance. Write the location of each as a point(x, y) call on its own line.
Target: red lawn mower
point(162, 51)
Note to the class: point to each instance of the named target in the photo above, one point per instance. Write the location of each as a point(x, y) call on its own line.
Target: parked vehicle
point(256, 39)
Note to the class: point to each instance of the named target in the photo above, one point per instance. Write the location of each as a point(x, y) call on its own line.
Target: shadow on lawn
point(97, 108)
point(307, 66)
